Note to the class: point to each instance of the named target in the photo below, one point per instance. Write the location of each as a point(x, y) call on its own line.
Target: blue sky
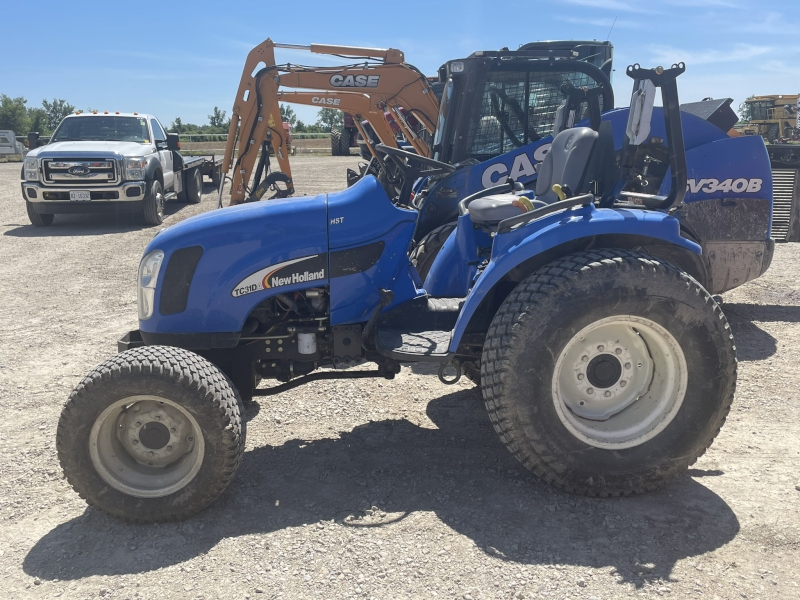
point(159, 58)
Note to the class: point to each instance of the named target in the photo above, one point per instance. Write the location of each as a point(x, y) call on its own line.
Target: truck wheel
point(154, 204)
point(335, 142)
point(194, 187)
point(424, 253)
point(216, 171)
point(38, 219)
point(608, 372)
point(154, 434)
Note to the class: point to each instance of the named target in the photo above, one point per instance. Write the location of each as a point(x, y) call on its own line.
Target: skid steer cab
point(606, 371)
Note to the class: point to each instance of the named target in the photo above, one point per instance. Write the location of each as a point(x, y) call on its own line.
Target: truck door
point(165, 155)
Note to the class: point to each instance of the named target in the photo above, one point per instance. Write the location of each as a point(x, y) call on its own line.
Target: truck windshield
point(93, 128)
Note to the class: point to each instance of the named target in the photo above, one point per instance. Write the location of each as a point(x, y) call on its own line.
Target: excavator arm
point(365, 90)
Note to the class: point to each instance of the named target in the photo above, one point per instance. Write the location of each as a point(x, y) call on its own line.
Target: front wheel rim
point(619, 382)
point(146, 446)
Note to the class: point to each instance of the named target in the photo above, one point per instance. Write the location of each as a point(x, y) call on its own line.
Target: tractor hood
point(218, 266)
point(232, 253)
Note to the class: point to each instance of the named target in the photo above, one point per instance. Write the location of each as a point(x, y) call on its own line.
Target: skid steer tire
point(336, 136)
point(38, 219)
point(145, 406)
point(424, 253)
point(614, 309)
point(154, 204)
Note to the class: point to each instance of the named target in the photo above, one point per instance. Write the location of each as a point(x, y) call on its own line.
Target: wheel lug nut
point(618, 351)
point(580, 376)
point(190, 439)
point(623, 383)
point(584, 358)
point(627, 365)
point(590, 391)
point(138, 423)
point(151, 453)
point(158, 417)
point(607, 394)
point(173, 430)
point(134, 442)
point(169, 448)
point(601, 347)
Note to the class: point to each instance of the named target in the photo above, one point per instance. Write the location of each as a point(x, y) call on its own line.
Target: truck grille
point(783, 186)
point(81, 171)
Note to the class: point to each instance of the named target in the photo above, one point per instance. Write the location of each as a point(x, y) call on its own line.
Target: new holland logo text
point(712, 186)
point(299, 270)
point(369, 81)
point(498, 173)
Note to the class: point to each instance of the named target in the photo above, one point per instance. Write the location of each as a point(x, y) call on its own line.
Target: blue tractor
point(606, 368)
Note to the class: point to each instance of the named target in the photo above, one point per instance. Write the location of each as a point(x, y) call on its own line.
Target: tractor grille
point(85, 171)
point(783, 186)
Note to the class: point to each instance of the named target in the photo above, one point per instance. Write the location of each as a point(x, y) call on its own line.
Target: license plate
point(80, 196)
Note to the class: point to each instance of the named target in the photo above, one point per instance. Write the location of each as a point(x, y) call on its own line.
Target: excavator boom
point(366, 90)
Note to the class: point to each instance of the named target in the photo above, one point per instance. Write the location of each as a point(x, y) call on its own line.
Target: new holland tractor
point(606, 369)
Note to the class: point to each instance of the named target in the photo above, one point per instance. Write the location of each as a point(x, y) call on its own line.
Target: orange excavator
point(383, 83)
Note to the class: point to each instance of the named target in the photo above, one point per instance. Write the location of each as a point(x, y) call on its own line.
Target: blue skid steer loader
point(606, 371)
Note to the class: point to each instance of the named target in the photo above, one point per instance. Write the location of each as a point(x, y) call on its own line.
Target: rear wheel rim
point(619, 382)
point(146, 446)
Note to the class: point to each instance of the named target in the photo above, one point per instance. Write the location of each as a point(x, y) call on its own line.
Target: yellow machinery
point(776, 118)
point(382, 83)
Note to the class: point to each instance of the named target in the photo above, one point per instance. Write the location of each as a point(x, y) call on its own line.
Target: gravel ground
point(375, 489)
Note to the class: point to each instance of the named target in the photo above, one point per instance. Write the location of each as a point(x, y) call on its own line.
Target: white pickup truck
point(103, 162)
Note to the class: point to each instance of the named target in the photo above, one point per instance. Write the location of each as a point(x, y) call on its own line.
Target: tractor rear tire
point(424, 253)
point(154, 204)
point(336, 136)
point(38, 219)
point(154, 404)
point(344, 142)
point(608, 372)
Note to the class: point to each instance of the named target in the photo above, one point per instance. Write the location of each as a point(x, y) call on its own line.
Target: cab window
point(158, 131)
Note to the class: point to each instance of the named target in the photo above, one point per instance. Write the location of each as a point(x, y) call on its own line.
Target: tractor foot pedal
point(418, 330)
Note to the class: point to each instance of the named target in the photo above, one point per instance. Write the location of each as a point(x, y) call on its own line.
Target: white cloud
point(667, 55)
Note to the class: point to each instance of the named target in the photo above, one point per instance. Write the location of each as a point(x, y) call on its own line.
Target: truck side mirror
point(173, 142)
point(33, 140)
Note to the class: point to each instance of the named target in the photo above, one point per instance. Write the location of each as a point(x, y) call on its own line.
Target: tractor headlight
point(148, 276)
point(31, 169)
point(134, 168)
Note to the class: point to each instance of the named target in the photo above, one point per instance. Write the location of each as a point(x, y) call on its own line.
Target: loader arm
point(387, 86)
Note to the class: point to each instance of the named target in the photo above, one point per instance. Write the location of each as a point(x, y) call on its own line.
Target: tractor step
point(418, 330)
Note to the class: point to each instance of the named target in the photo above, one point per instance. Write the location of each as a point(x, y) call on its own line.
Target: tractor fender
point(525, 243)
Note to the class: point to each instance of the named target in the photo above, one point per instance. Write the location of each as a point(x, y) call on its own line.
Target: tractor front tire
point(424, 253)
point(608, 372)
point(38, 219)
point(153, 434)
point(154, 204)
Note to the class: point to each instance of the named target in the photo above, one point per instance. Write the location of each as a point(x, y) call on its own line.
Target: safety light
point(148, 276)
point(457, 67)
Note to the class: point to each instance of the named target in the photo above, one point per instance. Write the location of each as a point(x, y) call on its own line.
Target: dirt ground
point(375, 489)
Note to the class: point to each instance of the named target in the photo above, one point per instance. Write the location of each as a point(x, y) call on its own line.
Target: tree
point(745, 110)
point(56, 111)
point(38, 121)
point(287, 115)
point(14, 114)
point(217, 119)
point(177, 126)
point(328, 118)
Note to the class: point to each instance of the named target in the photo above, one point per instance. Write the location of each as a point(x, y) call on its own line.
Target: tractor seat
point(565, 163)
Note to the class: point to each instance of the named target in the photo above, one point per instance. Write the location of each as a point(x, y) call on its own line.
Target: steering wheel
point(396, 154)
